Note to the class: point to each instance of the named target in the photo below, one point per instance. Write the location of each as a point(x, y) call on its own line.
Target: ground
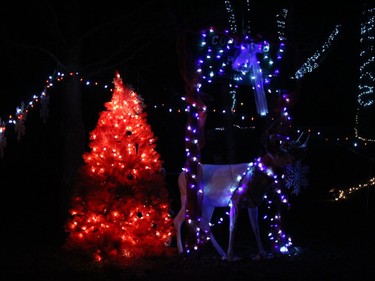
point(332, 240)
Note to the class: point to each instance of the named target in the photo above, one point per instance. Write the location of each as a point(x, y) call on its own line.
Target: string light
point(232, 18)
point(366, 75)
point(339, 194)
point(18, 119)
point(366, 83)
point(313, 62)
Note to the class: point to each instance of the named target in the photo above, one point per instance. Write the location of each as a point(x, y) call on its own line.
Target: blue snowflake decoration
point(296, 177)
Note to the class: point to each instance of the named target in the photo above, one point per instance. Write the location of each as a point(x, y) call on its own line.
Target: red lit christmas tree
point(120, 207)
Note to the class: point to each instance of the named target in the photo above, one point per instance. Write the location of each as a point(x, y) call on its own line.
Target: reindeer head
point(284, 151)
point(296, 148)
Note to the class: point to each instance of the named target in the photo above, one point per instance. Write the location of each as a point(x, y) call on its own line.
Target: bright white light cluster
point(366, 69)
point(366, 81)
point(280, 21)
point(313, 62)
point(232, 18)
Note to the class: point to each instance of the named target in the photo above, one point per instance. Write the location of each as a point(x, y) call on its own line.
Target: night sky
point(149, 59)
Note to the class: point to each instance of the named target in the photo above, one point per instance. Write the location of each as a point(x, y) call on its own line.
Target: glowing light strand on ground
point(343, 194)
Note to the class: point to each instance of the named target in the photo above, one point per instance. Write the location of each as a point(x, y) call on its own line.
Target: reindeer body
point(220, 181)
point(228, 186)
point(236, 186)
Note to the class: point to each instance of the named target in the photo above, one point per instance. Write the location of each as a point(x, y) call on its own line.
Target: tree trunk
point(72, 126)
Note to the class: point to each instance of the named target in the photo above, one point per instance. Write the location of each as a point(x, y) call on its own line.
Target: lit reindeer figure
point(236, 186)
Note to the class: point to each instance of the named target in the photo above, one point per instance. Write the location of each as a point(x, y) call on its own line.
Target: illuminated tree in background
point(120, 207)
point(365, 125)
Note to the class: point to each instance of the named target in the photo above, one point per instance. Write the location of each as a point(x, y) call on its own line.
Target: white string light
point(313, 62)
point(366, 83)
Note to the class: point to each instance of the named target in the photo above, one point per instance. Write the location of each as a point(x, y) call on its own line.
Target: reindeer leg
point(233, 215)
point(253, 215)
point(207, 213)
point(177, 222)
point(181, 216)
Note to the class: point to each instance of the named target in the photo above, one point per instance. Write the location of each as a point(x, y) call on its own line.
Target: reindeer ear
point(271, 129)
point(271, 133)
point(273, 144)
point(307, 139)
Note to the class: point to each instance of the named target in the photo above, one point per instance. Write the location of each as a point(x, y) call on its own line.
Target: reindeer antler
point(300, 136)
point(307, 139)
